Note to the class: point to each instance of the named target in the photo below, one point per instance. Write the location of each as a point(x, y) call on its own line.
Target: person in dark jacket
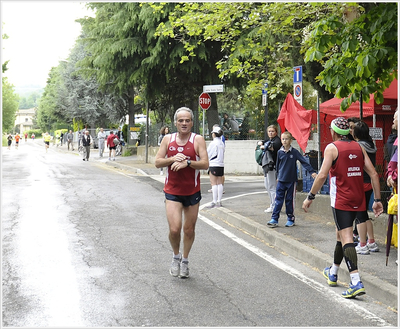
point(361, 135)
point(270, 146)
point(86, 142)
point(286, 170)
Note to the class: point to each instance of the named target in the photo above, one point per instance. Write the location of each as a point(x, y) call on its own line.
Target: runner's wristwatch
point(188, 163)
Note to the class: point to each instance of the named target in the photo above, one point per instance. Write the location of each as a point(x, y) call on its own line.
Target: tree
point(127, 55)
point(9, 105)
point(358, 52)
point(85, 99)
point(260, 42)
point(50, 110)
point(9, 99)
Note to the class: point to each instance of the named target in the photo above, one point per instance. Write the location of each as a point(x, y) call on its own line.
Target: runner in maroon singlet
point(185, 154)
point(345, 161)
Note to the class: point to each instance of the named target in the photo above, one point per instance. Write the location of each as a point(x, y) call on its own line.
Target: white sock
point(177, 256)
point(185, 260)
point(220, 192)
point(355, 278)
point(215, 193)
point(334, 269)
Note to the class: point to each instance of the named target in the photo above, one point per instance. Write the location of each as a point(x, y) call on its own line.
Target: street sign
point(264, 99)
point(376, 133)
point(213, 89)
point(204, 101)
point(298, 74)
point(298, 84)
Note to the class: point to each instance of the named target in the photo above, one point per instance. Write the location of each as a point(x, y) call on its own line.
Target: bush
point(38, 133)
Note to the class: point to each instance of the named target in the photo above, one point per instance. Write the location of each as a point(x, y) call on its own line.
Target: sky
point(41, 33)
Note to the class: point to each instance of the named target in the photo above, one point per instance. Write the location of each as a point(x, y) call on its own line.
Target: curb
point(377, 288)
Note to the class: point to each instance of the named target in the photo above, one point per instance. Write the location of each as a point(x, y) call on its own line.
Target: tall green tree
point(358, 50)
point(9, 105)
point(85, 99)
point(260, 42)
point(9, 99)
point(126, 55)
point(51, 106)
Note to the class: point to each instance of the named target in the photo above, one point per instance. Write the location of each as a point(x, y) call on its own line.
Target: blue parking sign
point(298, 74)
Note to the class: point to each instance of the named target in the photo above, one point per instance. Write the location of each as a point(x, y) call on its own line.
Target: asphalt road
point(87, 245)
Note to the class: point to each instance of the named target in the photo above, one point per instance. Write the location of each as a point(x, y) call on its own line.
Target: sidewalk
point(311, 240)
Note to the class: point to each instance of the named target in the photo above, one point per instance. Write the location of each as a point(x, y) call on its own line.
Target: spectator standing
point(62, 138)
point(111, 146)
point(392, 169)
point(163, 131)
point(389, 148)
point(9, 141)
point(245, 126)
point(120, 136)
point(234, 127)
point(271, 147)
point(344, 161)
point(226, 123)
point(70, 140)
point(361, 135)
point(215, 152)
point(101, 137)
point(86, 142)
point(185, 154)
point(286, 170)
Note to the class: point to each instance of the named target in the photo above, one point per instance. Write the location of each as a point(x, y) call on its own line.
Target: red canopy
point(332, 106)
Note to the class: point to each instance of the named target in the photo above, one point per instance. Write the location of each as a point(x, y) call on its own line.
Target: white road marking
point(295, 273)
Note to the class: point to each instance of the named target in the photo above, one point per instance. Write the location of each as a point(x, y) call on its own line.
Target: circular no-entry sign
point(204, 101)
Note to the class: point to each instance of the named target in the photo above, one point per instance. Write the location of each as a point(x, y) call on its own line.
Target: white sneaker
point(373, 247)
point(184, 270)
point(270, 209)
point(175, 266)
point(362, 250)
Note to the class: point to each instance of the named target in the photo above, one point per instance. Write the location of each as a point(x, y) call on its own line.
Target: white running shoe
point(373, 247)
point(175, 266)
point(184, 271)
point(362, 250)
point(270, 209)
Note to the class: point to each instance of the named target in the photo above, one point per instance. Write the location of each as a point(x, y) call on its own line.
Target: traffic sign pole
point(265, 104)
point(205, 103)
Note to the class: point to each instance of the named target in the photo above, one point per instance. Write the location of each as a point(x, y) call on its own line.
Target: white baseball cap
point(216, 130)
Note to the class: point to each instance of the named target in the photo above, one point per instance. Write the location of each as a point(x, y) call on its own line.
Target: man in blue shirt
point(286, 170)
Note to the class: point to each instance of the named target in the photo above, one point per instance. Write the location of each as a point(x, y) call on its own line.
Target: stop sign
point(204, 101)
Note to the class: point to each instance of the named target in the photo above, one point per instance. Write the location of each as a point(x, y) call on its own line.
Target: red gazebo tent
point(375, 115)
